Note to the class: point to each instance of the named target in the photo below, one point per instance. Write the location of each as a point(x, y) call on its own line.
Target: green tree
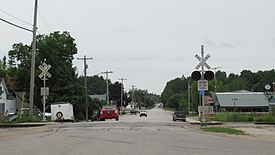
point(174, 101)
point(178, 85)
point(58, 49)
point(247, 80)
point(264, 77)
point(95, 84)
point(115, 93)
point(250, 77)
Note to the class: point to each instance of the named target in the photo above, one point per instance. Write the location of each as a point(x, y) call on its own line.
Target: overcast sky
point(151, 42)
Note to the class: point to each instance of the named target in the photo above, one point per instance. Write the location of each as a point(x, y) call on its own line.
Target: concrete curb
point(20, 125)
point(264, 123)
point(207, 123)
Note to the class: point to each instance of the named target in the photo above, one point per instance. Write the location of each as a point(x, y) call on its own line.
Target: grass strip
point(223, 130)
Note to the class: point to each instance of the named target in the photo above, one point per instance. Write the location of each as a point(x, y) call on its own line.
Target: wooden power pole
point(33, 59)
point(85, 81)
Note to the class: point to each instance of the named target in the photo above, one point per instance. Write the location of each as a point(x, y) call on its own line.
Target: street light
point(215, 68)
point(234, 102)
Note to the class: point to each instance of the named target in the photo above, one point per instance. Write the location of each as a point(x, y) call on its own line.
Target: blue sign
point(202, 92)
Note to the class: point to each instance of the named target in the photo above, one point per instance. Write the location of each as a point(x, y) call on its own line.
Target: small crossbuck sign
point(45, 71)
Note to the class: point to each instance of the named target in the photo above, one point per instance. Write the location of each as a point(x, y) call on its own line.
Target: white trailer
point(62, 111)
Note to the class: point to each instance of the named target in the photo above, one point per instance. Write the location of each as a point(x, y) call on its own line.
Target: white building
point(7, 101)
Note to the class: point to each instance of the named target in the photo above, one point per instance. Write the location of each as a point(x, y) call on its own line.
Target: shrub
point(24, 119)
point(243, 117)
point(265, 118)
point(223, 130)
point(234, 117)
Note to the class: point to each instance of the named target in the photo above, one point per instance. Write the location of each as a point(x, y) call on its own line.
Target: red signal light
point(208, 75)
point(196, 75)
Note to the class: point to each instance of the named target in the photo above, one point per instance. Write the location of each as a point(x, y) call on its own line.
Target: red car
point(109, 112)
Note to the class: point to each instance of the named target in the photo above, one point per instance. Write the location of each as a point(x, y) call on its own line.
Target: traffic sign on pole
point(202, 92)
point(202, 85)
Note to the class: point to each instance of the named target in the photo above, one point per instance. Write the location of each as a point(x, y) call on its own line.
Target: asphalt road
point(152, 135)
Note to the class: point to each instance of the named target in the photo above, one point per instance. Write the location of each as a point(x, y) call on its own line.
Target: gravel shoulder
point(10, 133)
point(253, 132)
point(259, 132)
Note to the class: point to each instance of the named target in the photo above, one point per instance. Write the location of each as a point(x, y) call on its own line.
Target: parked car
point(25, 112)
point(109, 112)
point(133, 111)
point(48, 114)
point(95, 116)
point(143, 113)
point(179, 115)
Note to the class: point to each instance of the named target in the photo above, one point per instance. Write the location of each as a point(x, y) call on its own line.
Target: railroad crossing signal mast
point(45, 90)
point(202, 77)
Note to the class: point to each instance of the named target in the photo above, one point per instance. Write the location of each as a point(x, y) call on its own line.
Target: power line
point(15, 25)
point(58, 14)
point(44, 21)
point(16, 17)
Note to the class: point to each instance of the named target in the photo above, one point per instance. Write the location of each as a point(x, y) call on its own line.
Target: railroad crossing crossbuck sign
point(44, 70)
point(203, 61)
point(202, 75)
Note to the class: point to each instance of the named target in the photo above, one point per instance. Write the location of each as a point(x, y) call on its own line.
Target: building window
point(1, 92)
point(2, 107)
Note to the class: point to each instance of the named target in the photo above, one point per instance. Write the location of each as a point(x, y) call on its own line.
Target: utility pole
point(85, 81)
point(33, 59)
point(189, 96)
point(133, 88)
point(107, 85)
point(121, 100)
point(132, 91)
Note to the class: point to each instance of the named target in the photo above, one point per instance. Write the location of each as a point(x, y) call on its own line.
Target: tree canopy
point(175, 92)
point(58, 49)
